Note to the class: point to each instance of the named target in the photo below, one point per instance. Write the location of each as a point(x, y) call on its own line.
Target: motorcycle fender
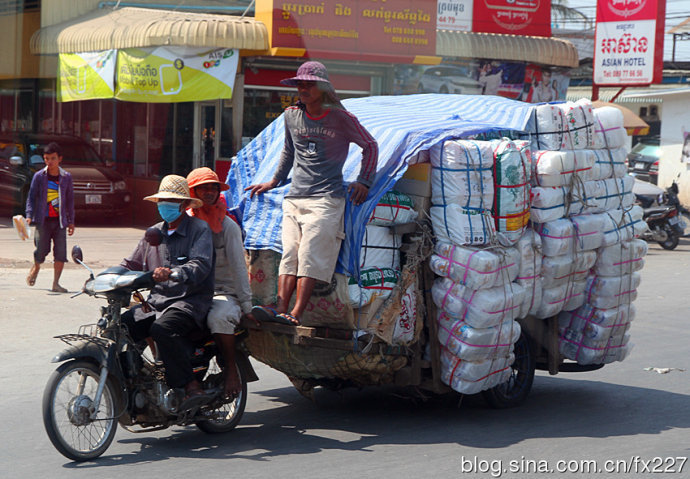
point(104, 356)
point(243, 360)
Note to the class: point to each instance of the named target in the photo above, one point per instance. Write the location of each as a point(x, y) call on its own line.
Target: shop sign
point(175, 74)
point(352, 27)
point(629, 42)
point(454, 15)
point(517, 17)
point(86, 76)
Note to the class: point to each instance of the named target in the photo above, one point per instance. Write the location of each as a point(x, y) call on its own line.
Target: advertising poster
point(86, 76)
point(501, 78)
point(175, 74)
point(516, 17)
point(629, 42)
point(454, 15)
point(543, 84)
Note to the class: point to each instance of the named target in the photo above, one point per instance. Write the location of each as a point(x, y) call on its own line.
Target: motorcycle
point(107, 379)
point(665, 222)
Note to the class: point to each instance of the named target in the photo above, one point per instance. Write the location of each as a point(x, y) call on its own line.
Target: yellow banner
point(175, 74)
point(86, 76)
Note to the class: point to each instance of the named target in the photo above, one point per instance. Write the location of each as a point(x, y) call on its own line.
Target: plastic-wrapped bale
point(380, 249)
point(525, 149)
point(476, 344)
point(568, 235)
point(550, 128)
point(475, 268)
point(609, 164)
point(462, 174)
point(557, 270)
point(373, 283)
point(621, 259)
point(481, 308)
point(529, 275)
point(579, 119)
point(393, 208)
point(597, 324)
point(564, 297)
point(605, 292)
point(557, 168)
point(553, 202)
point(512, 191)
point(471, 377)
point(573, 345)
point(609, 131)
point(623, 225)
point(454, 224)
point(617, 193)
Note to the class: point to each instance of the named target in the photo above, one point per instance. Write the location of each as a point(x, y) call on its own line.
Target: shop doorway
point(207, 117)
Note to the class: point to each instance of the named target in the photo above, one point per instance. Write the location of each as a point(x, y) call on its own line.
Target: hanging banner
point(454, 15)
point(86, 76)
point(516, 17)
point(629, 42)
point(175, 74)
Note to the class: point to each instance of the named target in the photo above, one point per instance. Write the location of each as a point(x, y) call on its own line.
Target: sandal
point(287, 318)
point(59, 289)
point(31, 278)
point(264, 314)
point(194, 399)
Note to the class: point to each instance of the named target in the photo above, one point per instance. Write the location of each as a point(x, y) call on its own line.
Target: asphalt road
point(619, 413)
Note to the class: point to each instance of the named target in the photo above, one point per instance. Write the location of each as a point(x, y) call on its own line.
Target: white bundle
point(620, 259)
point(550, 129)
point(475, 344)
point(605, 292)
point(598, 324)
point(561, 269)
point(609, 131)
point(471, 377)
point(557, 168)
point(568, 235)
point(473, 267)
point(374, 283)
point(525, 149)
point(616, 193)
point(380, 249)
point(548, 203)
point(579, 118)
point(609, 164)
point(623, 225)
point(529, 249)
point(564, 297)
point(574, 346)
point(480, 308)
point(512, 191)
point(584, 197)
point(533, 295)
point(462, 174)
point(454, 224)
point(392, 209)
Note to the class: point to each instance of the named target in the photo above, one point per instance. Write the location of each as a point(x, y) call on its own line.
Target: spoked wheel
point(514, 391)
point(67, 402)
point(227, 416)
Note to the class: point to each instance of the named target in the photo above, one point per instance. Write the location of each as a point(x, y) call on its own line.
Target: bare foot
point(232, 386)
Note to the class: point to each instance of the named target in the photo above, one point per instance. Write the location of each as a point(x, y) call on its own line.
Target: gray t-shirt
point(316, 150)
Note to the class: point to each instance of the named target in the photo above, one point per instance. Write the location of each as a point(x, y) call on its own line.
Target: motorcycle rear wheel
point(513, 392)
point(671, 241)
point(66, 400)
point(229, 414)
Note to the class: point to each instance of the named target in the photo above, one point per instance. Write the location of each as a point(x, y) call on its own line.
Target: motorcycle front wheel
point(227, 416)
point(67, 400)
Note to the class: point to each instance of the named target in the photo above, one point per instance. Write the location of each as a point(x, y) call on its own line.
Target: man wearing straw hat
point(175, 308)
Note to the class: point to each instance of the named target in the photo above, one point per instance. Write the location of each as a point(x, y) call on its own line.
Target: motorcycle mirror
point(153, 236)
point(674, 187)
point(77, 254)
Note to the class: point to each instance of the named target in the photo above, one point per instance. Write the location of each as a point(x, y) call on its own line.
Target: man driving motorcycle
point(177, 307)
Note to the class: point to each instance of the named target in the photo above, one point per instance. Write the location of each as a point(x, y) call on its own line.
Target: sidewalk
point(103, 246)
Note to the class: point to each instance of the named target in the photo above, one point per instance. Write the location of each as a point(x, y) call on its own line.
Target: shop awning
point(546, 51)
point(130, 27)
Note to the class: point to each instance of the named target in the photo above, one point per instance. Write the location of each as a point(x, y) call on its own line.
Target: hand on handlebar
point(161, 274)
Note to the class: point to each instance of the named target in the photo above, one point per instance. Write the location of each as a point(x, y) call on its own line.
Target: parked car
point(98, 190)
point(448, 79)
point(643, 160)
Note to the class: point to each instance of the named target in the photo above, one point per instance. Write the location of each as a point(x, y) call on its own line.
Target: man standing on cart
point(318, 133)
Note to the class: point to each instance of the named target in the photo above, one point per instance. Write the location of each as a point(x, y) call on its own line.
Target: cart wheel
point(514, 391)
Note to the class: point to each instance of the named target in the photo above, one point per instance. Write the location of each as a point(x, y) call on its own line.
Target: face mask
point(169, 211)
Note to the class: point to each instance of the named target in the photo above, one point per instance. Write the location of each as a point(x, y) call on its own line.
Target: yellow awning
point(494, 46)
point(130, 27)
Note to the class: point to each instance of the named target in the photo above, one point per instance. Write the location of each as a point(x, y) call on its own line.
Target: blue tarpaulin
point(402, 125)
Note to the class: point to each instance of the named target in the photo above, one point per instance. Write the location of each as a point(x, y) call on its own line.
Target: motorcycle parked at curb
point(106, 378)
point(665, 222)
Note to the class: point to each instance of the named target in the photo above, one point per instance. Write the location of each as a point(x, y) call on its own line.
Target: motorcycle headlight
point(119, 186)
point(660, 199)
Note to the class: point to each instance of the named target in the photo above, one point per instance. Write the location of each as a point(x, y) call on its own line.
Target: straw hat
point(309, 71)
point(174, 187)
point(203, 175)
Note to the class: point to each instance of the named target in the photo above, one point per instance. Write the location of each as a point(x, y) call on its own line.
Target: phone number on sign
point(632, 465)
